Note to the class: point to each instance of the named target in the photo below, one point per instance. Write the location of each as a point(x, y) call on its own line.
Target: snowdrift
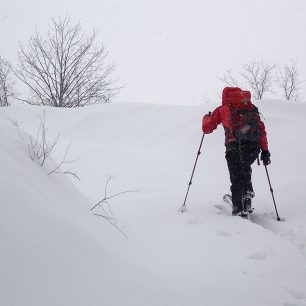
point(53, 250)
point(56, 252)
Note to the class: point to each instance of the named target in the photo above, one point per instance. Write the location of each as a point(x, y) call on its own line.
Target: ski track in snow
point(296, 238)
point(278, 228)
point(270, 223)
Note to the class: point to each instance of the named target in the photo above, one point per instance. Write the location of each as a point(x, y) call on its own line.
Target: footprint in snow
point(193, 220)
point(220, 207)
point(222, 210)
point(224, 233)
point(258, 255)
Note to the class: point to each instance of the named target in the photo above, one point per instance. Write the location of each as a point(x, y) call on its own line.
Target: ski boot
point(237, 210)
point(247, 201)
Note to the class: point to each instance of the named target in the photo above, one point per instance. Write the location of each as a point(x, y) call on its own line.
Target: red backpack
point(245, 118)
point(229, 94)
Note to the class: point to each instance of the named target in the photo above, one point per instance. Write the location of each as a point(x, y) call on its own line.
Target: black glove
point(265, 157)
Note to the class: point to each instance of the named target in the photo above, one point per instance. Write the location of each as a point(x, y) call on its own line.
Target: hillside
point(56, 252)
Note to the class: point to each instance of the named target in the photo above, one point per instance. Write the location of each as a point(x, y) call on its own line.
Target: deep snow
point(54, 251)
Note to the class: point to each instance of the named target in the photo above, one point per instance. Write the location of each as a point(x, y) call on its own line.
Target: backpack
point(245, 124)
point(245, 118)
point(229, 94)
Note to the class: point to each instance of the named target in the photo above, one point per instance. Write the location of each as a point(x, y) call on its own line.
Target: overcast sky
point(168, 51)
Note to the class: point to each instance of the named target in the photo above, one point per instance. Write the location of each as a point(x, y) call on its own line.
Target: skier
point(245, 136)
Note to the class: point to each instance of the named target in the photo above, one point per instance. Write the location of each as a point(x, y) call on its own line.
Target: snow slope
point(56, 252)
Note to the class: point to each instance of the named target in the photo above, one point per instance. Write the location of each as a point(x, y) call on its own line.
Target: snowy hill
point(56, 252)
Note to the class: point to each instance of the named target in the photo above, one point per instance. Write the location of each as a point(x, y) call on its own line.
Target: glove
point(206, 124)
point(265, 157)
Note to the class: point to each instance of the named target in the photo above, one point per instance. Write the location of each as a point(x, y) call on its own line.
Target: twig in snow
point(108, 215)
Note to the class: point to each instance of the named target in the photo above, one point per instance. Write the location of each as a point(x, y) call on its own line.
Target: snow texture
point(55, 251)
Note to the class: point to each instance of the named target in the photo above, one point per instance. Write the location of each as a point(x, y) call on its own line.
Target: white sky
point(170, 51)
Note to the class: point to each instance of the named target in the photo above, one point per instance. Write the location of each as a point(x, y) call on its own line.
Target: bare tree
point(7, 91)
point(287, 80)
point(67, 69)
point(229, 79)
point(258, 76)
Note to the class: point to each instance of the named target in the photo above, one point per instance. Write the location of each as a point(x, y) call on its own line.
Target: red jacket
point(222, 115)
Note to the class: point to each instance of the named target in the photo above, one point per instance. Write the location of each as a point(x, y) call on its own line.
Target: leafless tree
point(7, 91)
point(258, 77)
point(287, 80)
point(230, 80)
point(68, 69)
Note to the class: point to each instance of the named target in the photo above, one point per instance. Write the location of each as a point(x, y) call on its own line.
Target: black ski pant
point(240, 157)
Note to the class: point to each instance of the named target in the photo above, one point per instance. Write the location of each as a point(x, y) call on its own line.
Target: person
point(245, 137)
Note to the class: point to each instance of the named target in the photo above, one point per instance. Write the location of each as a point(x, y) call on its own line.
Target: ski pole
point(183, 208)
point(271, 189)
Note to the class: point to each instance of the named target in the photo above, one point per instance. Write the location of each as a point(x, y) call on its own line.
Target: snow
point(55, 251)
